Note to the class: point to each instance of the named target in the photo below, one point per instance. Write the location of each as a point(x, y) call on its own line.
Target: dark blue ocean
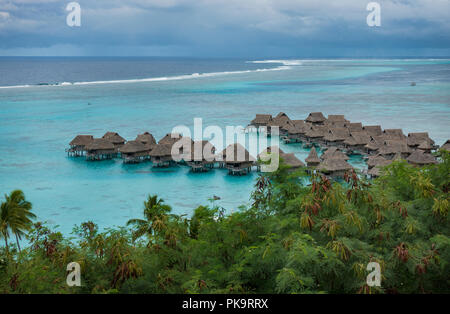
point(45, 102)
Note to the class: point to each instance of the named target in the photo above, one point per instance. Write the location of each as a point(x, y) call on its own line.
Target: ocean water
point(45, 102)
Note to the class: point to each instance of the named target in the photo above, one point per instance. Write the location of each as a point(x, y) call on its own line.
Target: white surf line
point(154, 79)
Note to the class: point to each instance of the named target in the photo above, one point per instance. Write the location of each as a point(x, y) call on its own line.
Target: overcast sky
point(225, 28)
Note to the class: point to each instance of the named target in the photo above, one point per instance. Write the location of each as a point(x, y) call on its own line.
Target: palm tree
point(155, 218)
point(16, 216)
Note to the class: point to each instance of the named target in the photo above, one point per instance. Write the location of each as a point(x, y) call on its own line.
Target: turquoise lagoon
point(37, 123)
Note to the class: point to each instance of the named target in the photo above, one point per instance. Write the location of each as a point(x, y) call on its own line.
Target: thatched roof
point(299, 123)
point(426, 145)
point(114, 138)
point(280, 120)
point(334, 153)
point(420, 158)
point(161, 150)
point(446, 146)
point(146, 138)
point(312, 157)
point(202, 150)
point(134, 147)
point(170, 138)
point(355, 127)
point(315, 117)
point(235, 154)
point(393, 134)
point(373, 130)
point(336, 119)
point(376, 170)
point(332, 165)
point(81, 140)
point(415, 139)
point(357, 138)
point(375, 160)
point(261, 119)
point(394, 146)
point(316, 131)
point(337, 134)
point(100, 144)
point(291, 160)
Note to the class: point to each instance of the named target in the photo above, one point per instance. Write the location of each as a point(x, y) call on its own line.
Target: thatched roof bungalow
point(135, 152)
point(316, 118)
point(100, 149)
point(161, 155)
point(114, 138)
point(356, 141)
point(334, 153)
point(419, 158)
point(335, 168)
point(373, 130)
point(313, 159)
point(415, 139)
point(336, 136)
point(373, 161)
point(78, 145)
point(202, 156)
point(261, 120)
point(236, 159)
point(392, 147)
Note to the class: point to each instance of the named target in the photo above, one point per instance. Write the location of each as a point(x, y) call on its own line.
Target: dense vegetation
point(295, 238)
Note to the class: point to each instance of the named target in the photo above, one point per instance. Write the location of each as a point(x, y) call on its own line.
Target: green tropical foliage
point(302, 234)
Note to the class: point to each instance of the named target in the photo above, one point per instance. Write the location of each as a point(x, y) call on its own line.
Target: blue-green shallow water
point(37, 123)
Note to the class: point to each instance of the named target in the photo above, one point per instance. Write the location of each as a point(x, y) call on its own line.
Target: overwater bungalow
point(135, 152)
point(78, 145)
point(146, 139)
point(356, 141)
point(282, 121)
point(202, 156)
point(374, 145)
point(100, 149)
point(261, 120)
point(373, 130)
point(392, 147)
point(336, 120)
point(113, 137)
point(419, 158)
point(335, 168)
point(315, 134)
point(292, 161)
point(295, 133)
point(313, 159)
point(336, 137)
point(416, 139)
point(316, 118)
point(334, 153)
point(236, 159)
point(161, 155)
